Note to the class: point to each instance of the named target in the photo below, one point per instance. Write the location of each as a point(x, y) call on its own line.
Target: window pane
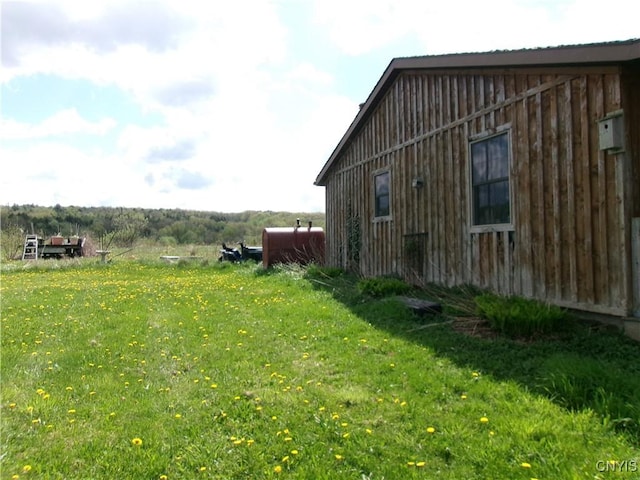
point(481, 205)
point(382, 206)
point(499, 195)
point(482, 195)
point(498, 157)
point(479, 162)
point(382, 184)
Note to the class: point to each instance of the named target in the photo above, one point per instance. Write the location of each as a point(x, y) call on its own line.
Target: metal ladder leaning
point(30, 251)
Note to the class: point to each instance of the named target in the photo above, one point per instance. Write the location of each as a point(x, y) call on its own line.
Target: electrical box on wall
point(611, 132)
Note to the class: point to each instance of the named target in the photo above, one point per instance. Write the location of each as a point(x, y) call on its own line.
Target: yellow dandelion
point(420, 464)
point(339, 457)
point(484, 420)
point(164, 477)
point(137, 442)
point(463, 396)
point(411, 464)
point(203, 469)
point(26, 468)
point(525, 465)
point(178, 415)
point(277, 469)
point(294, 452)
point(431, 430)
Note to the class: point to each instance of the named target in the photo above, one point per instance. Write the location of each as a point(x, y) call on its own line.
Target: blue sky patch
point(34, 98)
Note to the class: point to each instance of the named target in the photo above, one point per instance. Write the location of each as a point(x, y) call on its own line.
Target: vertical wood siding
point(569, 243)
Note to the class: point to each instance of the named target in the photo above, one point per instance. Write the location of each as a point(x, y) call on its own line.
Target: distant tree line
point(128, 225)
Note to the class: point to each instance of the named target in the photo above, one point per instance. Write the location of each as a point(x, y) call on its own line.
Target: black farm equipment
point(241, 254)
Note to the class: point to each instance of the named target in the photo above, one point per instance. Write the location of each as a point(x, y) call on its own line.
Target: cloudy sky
point(226, 105)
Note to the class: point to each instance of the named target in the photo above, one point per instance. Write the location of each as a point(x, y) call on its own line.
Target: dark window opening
point(382, 192)
point(490, 180)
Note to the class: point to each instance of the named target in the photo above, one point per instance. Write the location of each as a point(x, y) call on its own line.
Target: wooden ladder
point(30, 251)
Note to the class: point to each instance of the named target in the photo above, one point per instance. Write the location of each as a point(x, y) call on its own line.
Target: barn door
point(413, 254)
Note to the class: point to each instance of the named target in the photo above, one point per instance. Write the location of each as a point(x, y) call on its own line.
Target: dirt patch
point(480, 328)
point(474, 327)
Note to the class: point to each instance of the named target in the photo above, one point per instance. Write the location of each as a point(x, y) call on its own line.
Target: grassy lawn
point(142, 370)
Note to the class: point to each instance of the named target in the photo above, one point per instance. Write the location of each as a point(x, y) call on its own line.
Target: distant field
point(139, 369)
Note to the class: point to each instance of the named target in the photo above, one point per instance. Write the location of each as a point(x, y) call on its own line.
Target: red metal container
point(292, 245)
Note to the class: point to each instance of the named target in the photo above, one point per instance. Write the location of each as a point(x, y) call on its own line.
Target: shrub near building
point(520, 317)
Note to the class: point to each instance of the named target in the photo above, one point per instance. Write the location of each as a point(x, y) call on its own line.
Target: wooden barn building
point(516, 171)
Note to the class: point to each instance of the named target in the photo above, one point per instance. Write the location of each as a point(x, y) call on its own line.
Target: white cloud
point(358, 27)
point(309, 75)
point(362, 26)
point(65, 122)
